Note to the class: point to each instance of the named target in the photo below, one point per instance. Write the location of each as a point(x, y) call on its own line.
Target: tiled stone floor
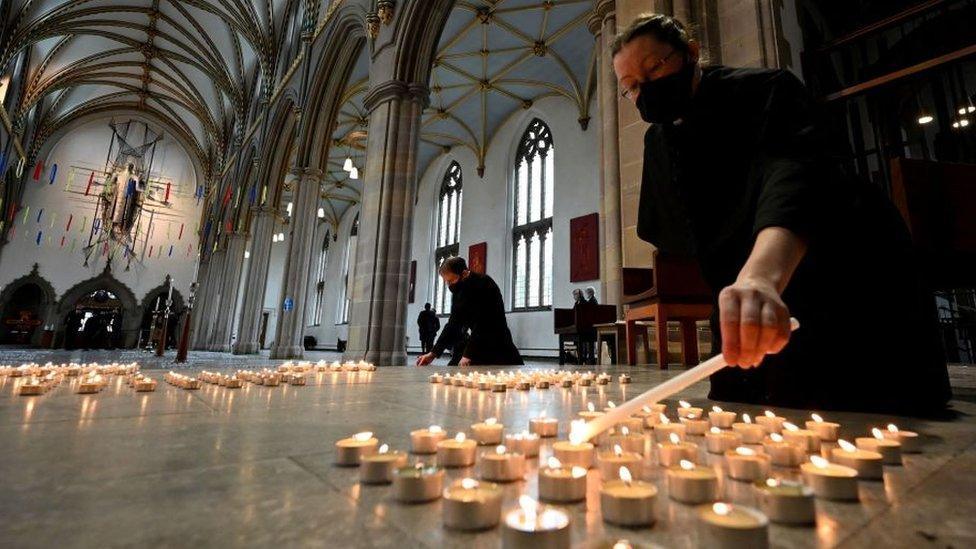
point(253, 466)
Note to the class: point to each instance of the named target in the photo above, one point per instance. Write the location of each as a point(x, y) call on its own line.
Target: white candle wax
point(786, 502)
point(424, 441)
point(350, 450)
point(500, 465)
point(472, 505)
point(692, 484)
point(723, 525)
point(418, 484)
point(830, 480)
point(627, 502)
point(532, 525)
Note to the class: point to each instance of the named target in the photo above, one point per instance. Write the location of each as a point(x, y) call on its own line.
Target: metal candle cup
point(350, 450)
point(500, 465)
point(770, 422)
point(825, 430)
point(718, 441)
point(751, 433)
point(662, 431)
point(782, 453)
point(670, 454)
point(424, 441)
point(610, 461)
point(532, 525)
point(721, 418)
point(488, 433)
point(418, 484)
point(574, 454)
point(804, 438)
point(829, 480)
point(561, 484)
point(867, 463)
point(472, 505)
point(889, 449)
point(695, 427)
point(723, 525)
point(544, 426)
point(746, 464)
point(786, 502)
point(910, 441)
point(378, 468)
point(456, 452)
point(692, 484)
point(524, 443)
point(627, 502)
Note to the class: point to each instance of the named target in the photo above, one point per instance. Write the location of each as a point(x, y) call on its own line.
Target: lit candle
point(751, 433)
point(542, 384)
point(561, 484)
point(472, 505)
point(524, 443)
point(804, 438)
point(723, 525)
point(746, 464)
point(782, 453)
point(500, 465)
point(867, 463)
point(499, 387)
point(574, 451)
point(624, 379)
point(31, 387)
point(690, 483)
point(585, 381)
point(424, 441)
point(589, 413)
point(629, 441)
point(378, 468)
point(566, 383)
point(488, 433)
point(910, 441)
point(544, 426)
point(664, 428)
point(144, 385)
point(685, 409)
point(830, 480)
point(611, 461)
point(718, 441)
point(889, 449)
point(532, 525)
point(603, 379)
point(350, 450)
point(771, 422)
point(627, 502)
point(720, 418)
point(418, 484)
point(435, 378)
point(826, 430)
point(523, 385)
point(456, 452)
point(672, 452)
point(786, 502)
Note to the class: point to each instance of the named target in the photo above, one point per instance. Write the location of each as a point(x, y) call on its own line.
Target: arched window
point(532, 231)
point(349, 272)
point(448, 231)
point(320, 281)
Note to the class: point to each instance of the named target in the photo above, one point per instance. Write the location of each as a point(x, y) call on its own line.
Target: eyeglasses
point(633, 91)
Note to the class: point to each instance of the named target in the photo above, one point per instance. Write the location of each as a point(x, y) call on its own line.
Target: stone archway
point(43, 309)
point(131, 311)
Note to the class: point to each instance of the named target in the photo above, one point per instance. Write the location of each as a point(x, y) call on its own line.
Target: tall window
point(349, 272)
point(448, 231)
point(320, 281)
point(532, 231)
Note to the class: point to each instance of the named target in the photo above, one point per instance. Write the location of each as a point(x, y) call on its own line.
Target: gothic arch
point(132, 312)
point(46, 306)
point(418, 31)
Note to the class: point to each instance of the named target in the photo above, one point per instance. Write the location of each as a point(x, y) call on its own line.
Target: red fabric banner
point(478, 257)
point(584, 248)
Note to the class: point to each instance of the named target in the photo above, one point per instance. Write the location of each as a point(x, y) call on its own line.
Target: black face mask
point(667, 99)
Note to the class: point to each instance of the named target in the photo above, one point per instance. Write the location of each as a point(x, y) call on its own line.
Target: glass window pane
point(519, 297)
point(457, 221)
point(534, 270)
point(535, 192)
point(550, 178)
point(547, 275)
point(521, 208)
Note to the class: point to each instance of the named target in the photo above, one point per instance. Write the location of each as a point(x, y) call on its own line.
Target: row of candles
point(749, 447)
point(92, 378)
point(501, 381)
point(69, 369)
point(305, 367)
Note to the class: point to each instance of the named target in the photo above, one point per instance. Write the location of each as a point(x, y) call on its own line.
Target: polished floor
point(253, 466)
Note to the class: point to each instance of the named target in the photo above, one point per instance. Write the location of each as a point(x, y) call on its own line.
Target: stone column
point(230, 284)
point(256, 284)
point(203, 291)
point(380, 287)
point(208, 311)
point(291, 324)
point(603, 25)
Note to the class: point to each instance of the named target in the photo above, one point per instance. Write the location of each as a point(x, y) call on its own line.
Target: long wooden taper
point(657, 394)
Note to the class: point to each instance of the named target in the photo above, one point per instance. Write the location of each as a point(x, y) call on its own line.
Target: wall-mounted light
point(354, 173)
point(925, 119)
point(288, 208)
point(961, 123)
point(321, 213)
point(247, 254)
point(348, 165)
point(967, 110)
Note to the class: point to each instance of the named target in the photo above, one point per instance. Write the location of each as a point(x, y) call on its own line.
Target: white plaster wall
point(330, 330)
point(81, 151)
point(276, 272)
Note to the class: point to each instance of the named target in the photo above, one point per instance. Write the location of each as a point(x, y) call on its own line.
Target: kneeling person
point(476, 305)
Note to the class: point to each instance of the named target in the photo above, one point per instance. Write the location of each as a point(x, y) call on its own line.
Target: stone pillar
point(603, 25)
point(291, 323)
point(230, 284)
point(256, 285)
point(203, 290)
point(208, 310)
point(380, 287)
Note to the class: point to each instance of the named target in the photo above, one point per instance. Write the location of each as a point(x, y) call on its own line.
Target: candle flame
point(529, 507)
point(746, 418)
point(716, 409)
point(622, 544)
point(625, 475)
point(491, 421)
point(664, 419)
point(847, 446)
point(553, 462)
point(684, 404)
point(617, 450)
point(500, 449)
point(743, 451)
point(624, 430)
point(384, 449)
point(435, 429)
point(721, 508)
point(459, 437)
point(819, 462)
point(772, 483)
point(578, 472)
point(769, 413)
point(363, 437)
point(776, 437)
point(647, 409)
point(715, 430)
point(790, 427)
point(675, 439)
point(542, 415)
point(577, 432)
point(686, 465)
point(610, 404)
point(817, 418)
point(877, 433)
point(469, 483)
point(892, 428)
point(590, 407)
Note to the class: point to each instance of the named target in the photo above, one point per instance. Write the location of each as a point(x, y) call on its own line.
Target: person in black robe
point(737, 174)
point(476, 305)
point(427, 325)
point(590, 294)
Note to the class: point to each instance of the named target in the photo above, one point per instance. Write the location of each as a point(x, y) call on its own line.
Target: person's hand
point(754, 320)
point(425, 359)
point(465, 361)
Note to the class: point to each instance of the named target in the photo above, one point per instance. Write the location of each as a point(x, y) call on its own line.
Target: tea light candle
point(826, 430)
point(746, 464)
point(472, 505)
point(663, 430)
point(499, 387)
point(786, 502)
point(542, 384)
point(690, 483)
point(544, 426)
point(524, 443)
point(889, 449)
point(718, 441)
point(566, 383)
point(630, 442)
point(829, 480)
point(611, 461)
point(145, 385)
point(685, 409)
point(502, 465)
point(561, 484)
point(633, 424)
point(350, 450)
point(378, 468)
point(589, 413)
point(804, 438)
point(723, 525)
point(750, 432)
point(523, 385)
point(720, 418)
point(456, 452)
point(624, 379)
point(626, 502)
point(574, 451)
point(910, 441)
point(31, 387)
point(867, 463)
point(424, 441)
point(771, 422)
point(695, 426)
point(532, 525)
point(488, 433)
point(671, 453)
point(418, 484)
point(585, 381)
point(782, 453)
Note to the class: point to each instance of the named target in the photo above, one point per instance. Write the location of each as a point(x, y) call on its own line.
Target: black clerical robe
point(750, 155)
point(477, 305)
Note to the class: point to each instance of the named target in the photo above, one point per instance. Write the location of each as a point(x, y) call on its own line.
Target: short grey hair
point(664, 28)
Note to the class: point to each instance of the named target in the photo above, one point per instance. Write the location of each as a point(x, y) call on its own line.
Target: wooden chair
point(673, 290)
point(576, 325)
